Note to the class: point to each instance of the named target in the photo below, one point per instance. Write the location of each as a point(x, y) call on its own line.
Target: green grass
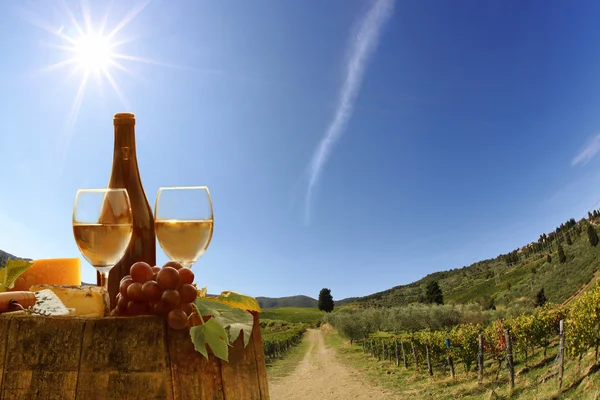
point(294, 315)
point(407, 384)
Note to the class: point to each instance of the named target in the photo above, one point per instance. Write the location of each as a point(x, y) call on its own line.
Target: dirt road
point(320, 376)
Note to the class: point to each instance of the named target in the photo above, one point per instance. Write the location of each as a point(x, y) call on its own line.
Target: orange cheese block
point(52, 271)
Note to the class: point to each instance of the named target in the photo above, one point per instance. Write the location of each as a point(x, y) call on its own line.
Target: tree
point(433, 293)
point(568, 239)
point(548, 258)
point(325, 302)
point(561, 254)
point(592, 235)
point(540, 298)
point(486, 302)
point(352, 325)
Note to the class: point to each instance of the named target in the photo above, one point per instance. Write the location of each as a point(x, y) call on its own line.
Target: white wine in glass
point(102, 226)
point(183, 222)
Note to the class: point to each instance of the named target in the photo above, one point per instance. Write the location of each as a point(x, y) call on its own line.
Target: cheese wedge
point(88, 301)
point(48, 303)
point(52, 271)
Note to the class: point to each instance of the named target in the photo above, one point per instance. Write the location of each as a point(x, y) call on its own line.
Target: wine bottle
point(125, 174)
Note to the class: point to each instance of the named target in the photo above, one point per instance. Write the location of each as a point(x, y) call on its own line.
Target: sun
point(93, 52)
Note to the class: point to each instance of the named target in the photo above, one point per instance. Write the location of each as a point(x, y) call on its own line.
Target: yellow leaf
point(202, 292)
point(237, 300)
point(13, 269)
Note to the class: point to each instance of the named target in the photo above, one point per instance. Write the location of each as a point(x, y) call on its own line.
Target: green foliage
point(527, 331)
point(279, 337)
point(463, 343)
point(508, 285)
point(413, 318)
point(583, 322)
point(224, 327)
point(325, 302)
point(486, 302)
point(433, 293)
point(11, 268)
point(352, 325)
point(211, 334)
point(233, 320)
point(293, 315)
point(592, 235)
point(540, 298)
point(568, 239)
point(561, 254)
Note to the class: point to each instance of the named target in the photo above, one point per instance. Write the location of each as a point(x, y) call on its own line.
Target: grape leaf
point(237, 300)
point(213, 334)
point(232, 319)
point(202, 292)
point(11, 268)
point(5, 257)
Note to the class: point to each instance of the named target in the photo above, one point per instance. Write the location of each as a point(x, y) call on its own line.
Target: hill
point(299, 301)
point(510, 278)
point(293, 315)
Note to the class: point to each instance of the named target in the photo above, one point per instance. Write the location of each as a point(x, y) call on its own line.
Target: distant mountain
point(300, 301)
point(348, 300)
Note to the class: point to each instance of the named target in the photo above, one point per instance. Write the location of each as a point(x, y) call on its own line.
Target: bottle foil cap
point(124, 119)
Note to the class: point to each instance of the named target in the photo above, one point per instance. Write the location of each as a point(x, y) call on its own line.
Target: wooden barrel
point(129, 358)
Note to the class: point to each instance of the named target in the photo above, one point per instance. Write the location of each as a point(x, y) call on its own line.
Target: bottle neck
point(125, 145)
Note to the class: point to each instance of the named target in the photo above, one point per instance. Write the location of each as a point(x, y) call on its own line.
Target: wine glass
point(183, 222)
point(102, 226)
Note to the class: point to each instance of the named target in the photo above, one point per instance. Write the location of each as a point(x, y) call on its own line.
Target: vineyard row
point(277, 344)
point(576, 326)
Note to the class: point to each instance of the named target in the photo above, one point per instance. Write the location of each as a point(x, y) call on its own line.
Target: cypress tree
point(561, 254)
point(325, 302)
point(540, 298)
point(592, 235)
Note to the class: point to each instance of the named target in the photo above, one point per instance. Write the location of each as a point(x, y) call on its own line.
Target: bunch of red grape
point(167, 292)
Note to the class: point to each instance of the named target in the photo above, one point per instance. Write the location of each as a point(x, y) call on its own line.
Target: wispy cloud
point(360, 51)
point(591, 150)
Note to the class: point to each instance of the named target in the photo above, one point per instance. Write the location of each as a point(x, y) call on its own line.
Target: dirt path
point(320, 376)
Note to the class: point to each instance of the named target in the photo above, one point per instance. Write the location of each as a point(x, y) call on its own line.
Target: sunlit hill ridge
point(508, 279)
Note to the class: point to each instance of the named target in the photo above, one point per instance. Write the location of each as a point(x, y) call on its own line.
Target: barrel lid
point(124, 119)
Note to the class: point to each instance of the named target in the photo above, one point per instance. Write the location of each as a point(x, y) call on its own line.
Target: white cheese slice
point(48, 303)
point(88, 301)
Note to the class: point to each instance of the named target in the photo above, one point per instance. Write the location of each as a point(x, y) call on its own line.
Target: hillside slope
point(290, 301)
point(509, 278)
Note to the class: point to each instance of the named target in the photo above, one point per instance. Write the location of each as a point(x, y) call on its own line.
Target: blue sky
point(428, 135)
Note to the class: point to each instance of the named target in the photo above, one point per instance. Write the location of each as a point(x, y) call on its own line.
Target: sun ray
point(137, 77)
point(161, 64)
point(87, 20)
point(116, 88)
point(120, 66)
point(124, 41)
point(104, 20)
point(59, 64)
point(72, 18)
point(64, 144)
point(63, 47)
point(77, 103)
point(33, 20)
point(128, 18)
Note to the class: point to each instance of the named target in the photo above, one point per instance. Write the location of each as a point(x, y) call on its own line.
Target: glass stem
point(104, 280)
